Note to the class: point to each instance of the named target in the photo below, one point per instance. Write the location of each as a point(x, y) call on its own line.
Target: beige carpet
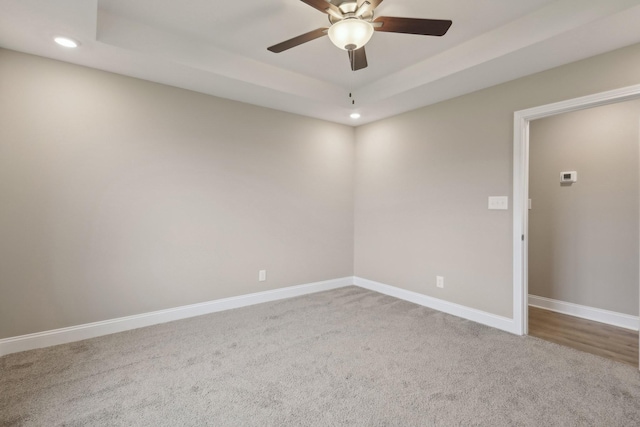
point(343, 357)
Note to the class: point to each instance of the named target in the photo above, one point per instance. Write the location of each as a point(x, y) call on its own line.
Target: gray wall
point(583, 238)
point(120, 196)
point(423, 178)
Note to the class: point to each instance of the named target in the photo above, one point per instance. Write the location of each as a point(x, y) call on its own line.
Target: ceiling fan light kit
point(351, 33)
point(352, 26)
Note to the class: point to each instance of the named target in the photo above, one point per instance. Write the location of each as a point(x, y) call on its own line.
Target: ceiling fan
point(352, 25)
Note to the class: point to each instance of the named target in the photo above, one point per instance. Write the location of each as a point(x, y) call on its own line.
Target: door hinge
point(523, 237)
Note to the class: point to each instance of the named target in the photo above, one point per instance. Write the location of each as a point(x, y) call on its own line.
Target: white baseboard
point(96, 329)
point(596, 314)
point(468, 313)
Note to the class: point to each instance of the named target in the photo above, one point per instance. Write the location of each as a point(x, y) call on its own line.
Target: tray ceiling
point(219, 48)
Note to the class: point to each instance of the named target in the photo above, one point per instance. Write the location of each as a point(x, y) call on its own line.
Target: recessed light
point(355, 116)
point(66, 42)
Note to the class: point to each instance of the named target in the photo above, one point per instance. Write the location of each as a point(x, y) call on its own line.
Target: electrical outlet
point(262, 275)
point(440, 281)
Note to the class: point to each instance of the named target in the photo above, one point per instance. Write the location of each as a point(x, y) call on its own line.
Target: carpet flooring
point(343, 357)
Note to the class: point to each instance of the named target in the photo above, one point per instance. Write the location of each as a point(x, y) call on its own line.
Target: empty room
point(232, 214)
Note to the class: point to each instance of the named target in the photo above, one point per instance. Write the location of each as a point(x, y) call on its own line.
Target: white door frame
point(521, 186)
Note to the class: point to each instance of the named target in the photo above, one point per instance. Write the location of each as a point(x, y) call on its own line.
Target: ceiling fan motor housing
point(348, 9)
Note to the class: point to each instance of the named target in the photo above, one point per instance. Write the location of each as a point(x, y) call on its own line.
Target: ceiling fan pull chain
point(351, 97)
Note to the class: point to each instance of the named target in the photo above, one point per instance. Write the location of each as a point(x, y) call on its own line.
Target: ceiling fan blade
point(358, 59)
point(303, 38)
point(324, 6)
point(425, 27)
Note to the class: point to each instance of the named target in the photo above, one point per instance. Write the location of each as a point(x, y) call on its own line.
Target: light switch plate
point(499, 203)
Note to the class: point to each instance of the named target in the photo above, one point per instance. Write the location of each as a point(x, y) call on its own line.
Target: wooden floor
point(592, 337)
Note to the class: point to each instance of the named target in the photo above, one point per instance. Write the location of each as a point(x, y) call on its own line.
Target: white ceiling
point(219, 47)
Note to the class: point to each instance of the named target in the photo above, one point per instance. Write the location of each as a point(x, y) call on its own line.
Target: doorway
point(521, 189)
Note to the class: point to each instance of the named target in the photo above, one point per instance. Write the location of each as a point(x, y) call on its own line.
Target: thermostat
point(569, 177)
